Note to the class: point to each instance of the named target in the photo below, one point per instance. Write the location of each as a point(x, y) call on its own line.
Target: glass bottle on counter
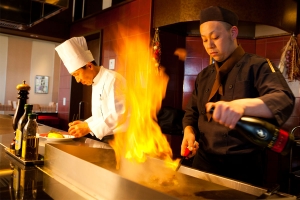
point(19, 132)
point(30, 142)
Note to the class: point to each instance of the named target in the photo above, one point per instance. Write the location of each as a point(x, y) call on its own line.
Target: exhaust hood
point(23, 14)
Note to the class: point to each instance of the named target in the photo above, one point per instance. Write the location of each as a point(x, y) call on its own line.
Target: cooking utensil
point(270, 192)
point(185, 155)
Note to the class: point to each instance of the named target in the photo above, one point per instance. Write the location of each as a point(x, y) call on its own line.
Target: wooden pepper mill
point(22, 100)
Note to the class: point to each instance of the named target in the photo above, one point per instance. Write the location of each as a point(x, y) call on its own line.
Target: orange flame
point(146, 88)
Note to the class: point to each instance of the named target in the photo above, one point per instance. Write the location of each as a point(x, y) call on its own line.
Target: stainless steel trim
point(5, 172)
point(249, 189)
point(57, 192)
point(92, 170)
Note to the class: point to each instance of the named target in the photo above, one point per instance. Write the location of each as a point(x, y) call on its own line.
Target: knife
point(185, 155)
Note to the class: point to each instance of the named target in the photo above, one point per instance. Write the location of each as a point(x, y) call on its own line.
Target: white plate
point(66, 138)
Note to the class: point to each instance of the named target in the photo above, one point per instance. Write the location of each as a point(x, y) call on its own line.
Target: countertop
point(12, 172)
point(84, 168)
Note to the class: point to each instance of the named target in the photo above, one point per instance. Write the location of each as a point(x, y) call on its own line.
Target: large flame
point(146, 88)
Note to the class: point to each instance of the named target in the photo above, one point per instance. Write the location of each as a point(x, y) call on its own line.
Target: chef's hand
point(78, 128)
point(189, 141)
point(226, 113)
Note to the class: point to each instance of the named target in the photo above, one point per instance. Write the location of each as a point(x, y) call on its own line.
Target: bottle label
point(280, 142)
point(18, 139)
point(24, 147)
point(261, 134)
point(274, 139)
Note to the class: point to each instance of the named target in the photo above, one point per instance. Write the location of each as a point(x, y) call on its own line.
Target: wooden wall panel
point(18, 60)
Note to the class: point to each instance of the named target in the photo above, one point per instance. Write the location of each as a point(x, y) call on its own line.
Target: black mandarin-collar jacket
point(251, 77)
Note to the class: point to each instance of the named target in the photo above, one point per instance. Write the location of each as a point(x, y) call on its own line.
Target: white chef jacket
point(108, 102)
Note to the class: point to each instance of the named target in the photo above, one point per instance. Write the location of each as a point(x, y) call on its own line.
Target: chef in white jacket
point(108, 92)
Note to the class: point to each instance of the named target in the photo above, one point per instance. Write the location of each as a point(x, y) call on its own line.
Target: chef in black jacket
point(237, 84)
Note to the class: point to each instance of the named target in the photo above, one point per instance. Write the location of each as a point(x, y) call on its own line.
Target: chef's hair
point(227, 26)
point(93, 62)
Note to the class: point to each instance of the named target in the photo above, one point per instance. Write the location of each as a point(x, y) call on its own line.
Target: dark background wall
point(278, 13)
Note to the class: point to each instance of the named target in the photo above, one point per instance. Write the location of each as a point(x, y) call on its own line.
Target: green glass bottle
point(30, 143)
point(19, 132)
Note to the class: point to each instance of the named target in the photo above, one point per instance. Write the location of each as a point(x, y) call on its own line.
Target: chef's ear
point(90, 65)
point(234, 31)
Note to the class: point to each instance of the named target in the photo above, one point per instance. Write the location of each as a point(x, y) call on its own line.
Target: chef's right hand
point(189, 141)
point(78, 128)
point(74, 123)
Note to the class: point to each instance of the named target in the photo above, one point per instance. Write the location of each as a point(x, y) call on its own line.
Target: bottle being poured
point(264, 134)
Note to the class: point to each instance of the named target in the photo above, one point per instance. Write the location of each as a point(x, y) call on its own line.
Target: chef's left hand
point(189, 141)
point(226, 113)
point(78, 128)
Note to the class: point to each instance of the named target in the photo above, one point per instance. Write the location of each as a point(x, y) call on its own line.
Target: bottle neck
point(28, 108)
point(25, 115)
point(27, 111)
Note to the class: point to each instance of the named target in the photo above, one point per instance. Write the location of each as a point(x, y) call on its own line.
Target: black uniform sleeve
point(275, 92)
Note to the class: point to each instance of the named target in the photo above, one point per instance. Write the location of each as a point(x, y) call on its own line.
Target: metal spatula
point(186, 153)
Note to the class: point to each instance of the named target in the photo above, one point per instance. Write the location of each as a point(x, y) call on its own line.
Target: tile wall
point(64, 92)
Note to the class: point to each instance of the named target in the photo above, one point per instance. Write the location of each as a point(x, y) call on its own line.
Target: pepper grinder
point(22, 100)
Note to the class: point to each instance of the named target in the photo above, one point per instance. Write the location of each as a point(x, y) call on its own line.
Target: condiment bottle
point(30, 144)
point(19, 132)
point(23, 92)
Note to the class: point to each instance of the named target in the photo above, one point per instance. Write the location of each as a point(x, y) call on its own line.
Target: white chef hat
point(74, 53)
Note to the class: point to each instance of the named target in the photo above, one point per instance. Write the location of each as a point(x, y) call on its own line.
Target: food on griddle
point(164, 181)
point(53, 134)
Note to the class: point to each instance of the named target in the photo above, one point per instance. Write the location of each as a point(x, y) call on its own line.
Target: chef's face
point(218, 39)
point(84, 75)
